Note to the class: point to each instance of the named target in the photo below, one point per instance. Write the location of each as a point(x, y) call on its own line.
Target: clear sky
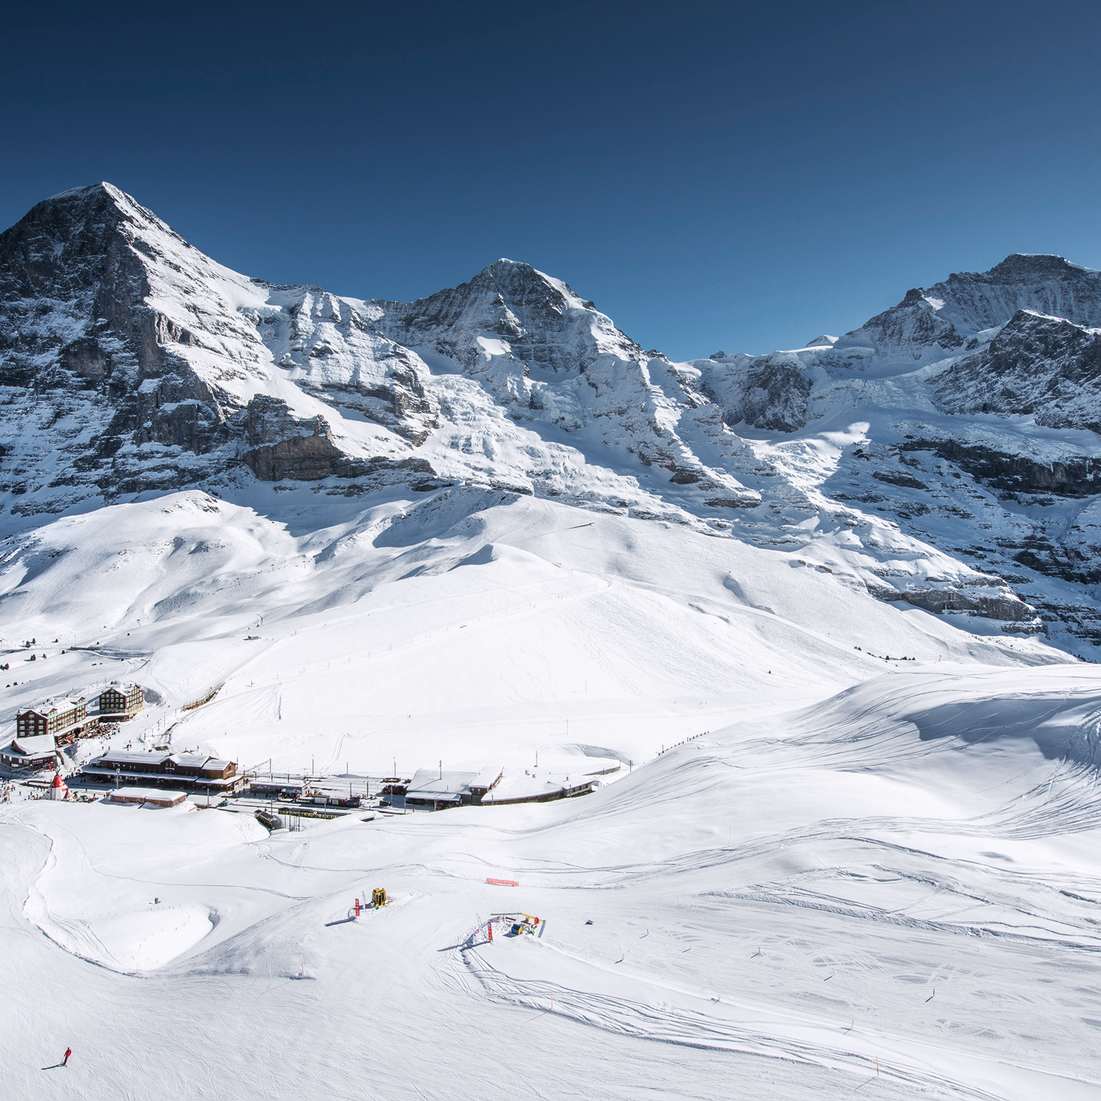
point(713, 175)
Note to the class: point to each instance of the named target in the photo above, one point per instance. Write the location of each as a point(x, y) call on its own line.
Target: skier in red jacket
point(65, 1061)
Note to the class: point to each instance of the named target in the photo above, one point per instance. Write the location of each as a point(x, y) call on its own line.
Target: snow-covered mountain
point(809, 618)
point(941, 455)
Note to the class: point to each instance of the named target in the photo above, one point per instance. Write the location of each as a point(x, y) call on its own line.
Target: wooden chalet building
point(34, 752)
point(147, 797)
point(119, 702)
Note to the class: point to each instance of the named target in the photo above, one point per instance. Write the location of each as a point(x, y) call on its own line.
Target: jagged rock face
point(330, 347)
point(546, 325)
point(999, 606)
point(133, 354)
point(770, 392)
point(1078, 477)
point(552, 360)
point(84, 357)
point(1036, 365)
point(282, 446)
point(913, 331)
point(933, 323)
point(1041, 284)
point(65, 267)
point(130, 363)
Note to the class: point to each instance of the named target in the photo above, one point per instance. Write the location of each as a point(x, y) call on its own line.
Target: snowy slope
point(473, 626)
point(846, 898)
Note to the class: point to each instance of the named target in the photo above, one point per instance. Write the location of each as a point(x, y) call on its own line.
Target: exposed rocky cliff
point(1038, 366)
point(771, 391)
point(134, 358)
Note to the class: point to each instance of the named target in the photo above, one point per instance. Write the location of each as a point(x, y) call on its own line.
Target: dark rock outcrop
point(1000, 606)
point(1076, 476)
point(280, 446)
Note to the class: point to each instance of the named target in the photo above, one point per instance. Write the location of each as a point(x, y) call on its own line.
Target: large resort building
point(195, 771)
point(119, 702)
point(63, 719)
point(69, 718)
point(42, 730)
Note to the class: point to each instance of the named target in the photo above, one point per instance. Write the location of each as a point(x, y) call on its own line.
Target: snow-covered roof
point(125, 757)
point(429, 783)
point(157, 760)
point(151, 795)
point(110, 770)
point(199, 760)
point(55, 703)
point(517, 784)
point(125, 687)
point(487, 777)
point(41, 745)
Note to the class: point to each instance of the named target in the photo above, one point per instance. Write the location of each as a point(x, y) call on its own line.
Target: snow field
point(466, 626)
point(803, 906)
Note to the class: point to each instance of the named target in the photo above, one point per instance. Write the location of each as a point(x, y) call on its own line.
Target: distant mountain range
point(943, 455)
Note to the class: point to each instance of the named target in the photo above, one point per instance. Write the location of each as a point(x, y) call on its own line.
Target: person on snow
point(65, 1060)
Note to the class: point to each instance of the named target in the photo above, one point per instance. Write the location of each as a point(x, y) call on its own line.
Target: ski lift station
point(437, 789)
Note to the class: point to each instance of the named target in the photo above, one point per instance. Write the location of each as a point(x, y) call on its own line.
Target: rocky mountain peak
point(508, 273)
point(931, 322)
point(58, 234)
point(82, 218)
point(1019, 266)
point(512, 305)
point(1038, 366)
point(80, 201)
point(501, 297)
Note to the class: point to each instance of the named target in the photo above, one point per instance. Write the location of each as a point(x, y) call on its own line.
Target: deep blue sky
point(713, 175)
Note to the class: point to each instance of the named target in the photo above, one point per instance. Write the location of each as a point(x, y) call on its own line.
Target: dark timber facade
point(120, 701)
